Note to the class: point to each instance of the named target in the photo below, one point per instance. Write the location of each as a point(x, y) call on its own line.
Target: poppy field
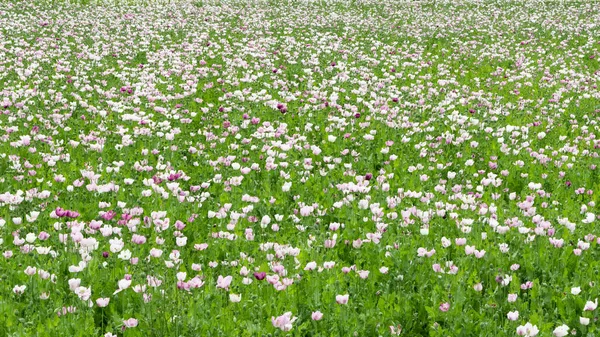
point(299, 168)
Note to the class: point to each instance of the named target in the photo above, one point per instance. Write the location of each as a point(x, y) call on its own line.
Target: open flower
point(342, 299)
point(102, 302)
point(527, 330)
point(590, 306)
point(19, 289)
point(284, 322)
point(83, 293)
point(561, 331)
point(130, 323)
point(444, 307)
point(224, 282)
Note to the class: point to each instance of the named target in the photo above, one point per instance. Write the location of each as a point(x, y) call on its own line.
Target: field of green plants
point(299, 168)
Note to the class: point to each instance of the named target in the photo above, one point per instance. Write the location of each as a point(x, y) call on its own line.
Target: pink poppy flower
point(130, 323)
point(224, 282)
point(284, 322)
point(342, 299)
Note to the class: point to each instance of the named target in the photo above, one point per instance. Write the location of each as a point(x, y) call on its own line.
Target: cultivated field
point(299, 168)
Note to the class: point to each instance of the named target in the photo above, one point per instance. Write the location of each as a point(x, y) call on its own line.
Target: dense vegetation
point(297, 168)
